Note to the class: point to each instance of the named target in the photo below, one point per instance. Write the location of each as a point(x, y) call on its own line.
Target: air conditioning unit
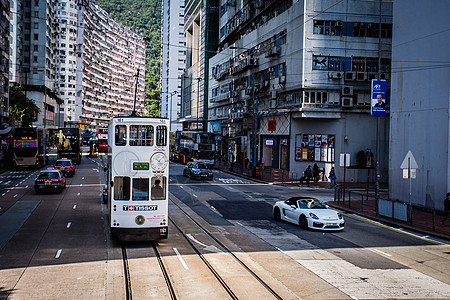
point(347, 102)
point(273, 94)
point(372, 75)
point(273, 103)
point(361, 76)
point(347, 90)
point(385, 76)
point(350, 76)
point(336, 75)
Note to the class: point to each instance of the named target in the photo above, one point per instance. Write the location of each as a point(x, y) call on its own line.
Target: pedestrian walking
point(332, 177)
point(446, 207)
point(316, 173)
point(308, 175)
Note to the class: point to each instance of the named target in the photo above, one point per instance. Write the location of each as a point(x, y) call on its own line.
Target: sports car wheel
point(276, 214)
point(303, 222)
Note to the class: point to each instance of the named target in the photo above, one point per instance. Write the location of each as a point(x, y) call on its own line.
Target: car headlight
point(195, 172)
point(313, 216)
point(339, 215)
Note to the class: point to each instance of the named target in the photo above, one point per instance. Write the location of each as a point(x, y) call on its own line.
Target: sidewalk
point(423, 222)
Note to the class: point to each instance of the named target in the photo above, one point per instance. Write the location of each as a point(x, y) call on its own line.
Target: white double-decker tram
point(138, 172)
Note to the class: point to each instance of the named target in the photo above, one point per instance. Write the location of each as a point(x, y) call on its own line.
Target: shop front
point(274, 145)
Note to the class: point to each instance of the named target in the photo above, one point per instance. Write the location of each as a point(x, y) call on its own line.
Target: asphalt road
point(55, 246)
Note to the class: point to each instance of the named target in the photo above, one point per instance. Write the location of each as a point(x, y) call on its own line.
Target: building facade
point(420, 102)
point(78, 65)
point(4, 58)
point(201, 31)
point(173, 60)
point(110, 68)
point(290, 84)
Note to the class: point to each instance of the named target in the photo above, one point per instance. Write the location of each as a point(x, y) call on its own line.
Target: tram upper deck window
point(141, 135)
point(161, 135)
point(120, 136)
point(121, 188)
point(140, 189)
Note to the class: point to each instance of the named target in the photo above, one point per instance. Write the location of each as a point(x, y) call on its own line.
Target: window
point(320, 62)
point(158, 188)
point(120, 136)
point(121, 188)
point(36, 25)
point(36, 37)
point(141, 135)
point(140, 189)
point(161, 135)
point(327, 27)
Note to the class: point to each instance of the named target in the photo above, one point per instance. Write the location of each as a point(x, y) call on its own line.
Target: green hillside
point(143, 17)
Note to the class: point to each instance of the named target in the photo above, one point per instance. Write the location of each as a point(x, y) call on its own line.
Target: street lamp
point(170, 110)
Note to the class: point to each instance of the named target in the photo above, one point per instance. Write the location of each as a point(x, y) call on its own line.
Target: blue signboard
point(216, 126)
point(378, 103)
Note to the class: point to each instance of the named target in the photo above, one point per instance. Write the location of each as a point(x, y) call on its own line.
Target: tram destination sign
point(141, 166)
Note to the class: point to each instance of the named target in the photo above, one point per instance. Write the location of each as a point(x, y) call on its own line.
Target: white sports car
point(308, 213)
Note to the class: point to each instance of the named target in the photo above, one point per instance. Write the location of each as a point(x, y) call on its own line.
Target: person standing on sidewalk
point(446, 207)
point(332, 177)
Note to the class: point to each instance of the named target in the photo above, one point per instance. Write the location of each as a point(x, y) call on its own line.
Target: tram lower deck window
point(121, 188)
point(140, 189)
point(158, 188)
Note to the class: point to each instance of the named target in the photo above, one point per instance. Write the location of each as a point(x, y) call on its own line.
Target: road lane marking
point(58, 254)
point(15, 196)
point(382, 252)
point(75, 206)
point(195, 240)
point(180, 258)
point(3, 194)
point(195, 195)
point(400, 230)
point(78, 194)
point(69, 224)
point(82, 178)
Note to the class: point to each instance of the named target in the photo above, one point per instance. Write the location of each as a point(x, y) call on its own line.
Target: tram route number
point(140, 207)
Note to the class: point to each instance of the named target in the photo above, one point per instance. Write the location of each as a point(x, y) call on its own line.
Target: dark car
point(66, 166)
point(50, 180)
point(197, 170)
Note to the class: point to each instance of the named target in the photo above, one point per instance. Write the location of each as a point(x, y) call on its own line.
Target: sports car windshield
point(311, 204)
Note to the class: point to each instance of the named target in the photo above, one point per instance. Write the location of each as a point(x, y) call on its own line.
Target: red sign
point(272, 125)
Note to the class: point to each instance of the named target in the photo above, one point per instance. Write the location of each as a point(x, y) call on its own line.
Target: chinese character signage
point(378, 93)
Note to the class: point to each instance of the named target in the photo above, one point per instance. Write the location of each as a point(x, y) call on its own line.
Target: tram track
point(226, 250)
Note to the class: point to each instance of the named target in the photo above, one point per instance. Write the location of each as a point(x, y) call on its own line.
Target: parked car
point(197, 170)
point(308, 212)
point(66, 166)
point(50, 180)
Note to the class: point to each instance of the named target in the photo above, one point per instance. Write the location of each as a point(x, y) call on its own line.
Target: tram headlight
point(140, 220)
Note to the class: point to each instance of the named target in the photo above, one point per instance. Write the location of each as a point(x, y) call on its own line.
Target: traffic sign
point(412, 161)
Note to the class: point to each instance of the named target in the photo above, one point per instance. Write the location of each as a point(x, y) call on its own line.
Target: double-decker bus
point(69, 143)
point(102, 140)
point(193, 146)
point(138, 178)
point(30, 147)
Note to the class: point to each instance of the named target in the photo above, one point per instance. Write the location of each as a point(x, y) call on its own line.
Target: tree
point(22, 111)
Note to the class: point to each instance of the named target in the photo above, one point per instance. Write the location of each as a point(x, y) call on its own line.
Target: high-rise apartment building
point(77, 64)
point(201, 31)
point(290, 84)
point(32, 34)
point(110, 68)
point(173, 60)
point(4, 58)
